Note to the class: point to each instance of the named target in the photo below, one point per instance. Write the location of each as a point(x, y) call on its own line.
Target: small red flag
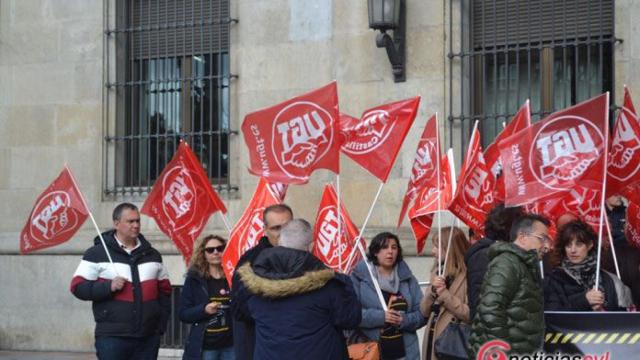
point(425, 165)
point(290, 140)
point(182, 200)
point(57, 215)
point(375, 140)
point(581, 201)
point(557, 153)
point(632, 229)
point(474, 196)
point(624, 157)
point(427, 201)
point(249, 229)
point(421, 226)
point(520, 121)
point(329, 246)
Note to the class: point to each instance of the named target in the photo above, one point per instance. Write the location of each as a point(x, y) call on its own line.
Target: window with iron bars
point(554, 53)
point(170, 82)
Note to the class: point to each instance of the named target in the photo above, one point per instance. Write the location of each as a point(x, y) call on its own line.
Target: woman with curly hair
point(571, 286)
point(205, 303)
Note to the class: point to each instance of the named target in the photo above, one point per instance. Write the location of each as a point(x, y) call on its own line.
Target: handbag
point(361, 347)
point(452, 344)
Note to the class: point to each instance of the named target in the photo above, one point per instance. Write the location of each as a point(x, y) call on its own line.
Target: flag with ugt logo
point(474, 196)
point(556, 154)
point(57, 215)
point(425, 165)
point(182, 200)
point(288, 141)
point(375, 140)
point(249, 229)
point(520, 121)
point(623, 167)
point(331, 247)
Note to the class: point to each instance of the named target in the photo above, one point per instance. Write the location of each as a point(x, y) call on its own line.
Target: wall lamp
point(385, 15)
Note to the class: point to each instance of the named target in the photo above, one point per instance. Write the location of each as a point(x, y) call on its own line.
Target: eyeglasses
point(542, 238)
point(210, 250)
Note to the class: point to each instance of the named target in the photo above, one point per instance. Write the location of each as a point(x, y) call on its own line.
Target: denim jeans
point(127, 348)
point(219, 354)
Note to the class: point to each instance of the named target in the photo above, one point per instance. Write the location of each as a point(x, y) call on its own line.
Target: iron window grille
point(169, 81)
point(554, 53)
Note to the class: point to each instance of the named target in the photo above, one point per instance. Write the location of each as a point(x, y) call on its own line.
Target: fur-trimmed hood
point(281, 272)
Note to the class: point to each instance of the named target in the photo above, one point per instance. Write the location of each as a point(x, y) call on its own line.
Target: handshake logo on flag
point(52, 216)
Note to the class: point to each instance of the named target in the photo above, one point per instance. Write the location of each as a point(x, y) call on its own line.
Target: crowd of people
point(284, 303)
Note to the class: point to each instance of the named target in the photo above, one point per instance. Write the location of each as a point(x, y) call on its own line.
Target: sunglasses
point(210, 250)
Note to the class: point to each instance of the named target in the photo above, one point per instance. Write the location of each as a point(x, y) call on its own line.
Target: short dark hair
point(378, 242)
point(525, 224)
point(277, 208)
point(499, 221)
point(576, 229)
point(117, 212)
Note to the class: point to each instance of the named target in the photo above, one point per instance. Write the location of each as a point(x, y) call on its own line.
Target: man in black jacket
point(131, 297)
point(496, 228)
point(273, 217)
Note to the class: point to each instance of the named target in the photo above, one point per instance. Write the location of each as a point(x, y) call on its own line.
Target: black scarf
point(584, 272)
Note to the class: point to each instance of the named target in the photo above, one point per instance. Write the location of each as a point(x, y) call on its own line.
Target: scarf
point(584, 272)
point(390, 284)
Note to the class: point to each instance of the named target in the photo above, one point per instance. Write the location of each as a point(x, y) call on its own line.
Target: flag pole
point(225, 221)
point(93, 220)
point(454, 223)
point(339, 211)
point(613, 248)
point(604, 192)
point(366, 220)
point(438, 154)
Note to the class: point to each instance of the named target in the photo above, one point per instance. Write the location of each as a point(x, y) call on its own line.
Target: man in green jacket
point(511, 307)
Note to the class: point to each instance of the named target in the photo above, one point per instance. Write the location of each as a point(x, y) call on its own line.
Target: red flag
point(249, 229)
point(421, 226)
point(279, 190)
point(328, 245)
point(425, 165)
point(520, 121)
point(370, 142)
point(632, 229)
point(182, 200)
point(624, 156)
point(474, 196)
point(57, 215)
point(427, 200)
point(556, 154)
point(581, 201)
point(288, 141)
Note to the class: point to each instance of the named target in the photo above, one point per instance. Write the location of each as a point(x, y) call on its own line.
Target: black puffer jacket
point(477, 261)
point(511, 303)
point(563, 292)
point(300, 306)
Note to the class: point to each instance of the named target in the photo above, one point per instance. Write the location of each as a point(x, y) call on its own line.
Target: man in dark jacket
point(496, 228)
point(273, 217)
point(511, 307)
point(131, 297)
point(300, 306)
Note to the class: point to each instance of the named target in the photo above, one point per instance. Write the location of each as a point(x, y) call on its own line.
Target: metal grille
point(554, 53)
point(170, 81)
point(177, 331)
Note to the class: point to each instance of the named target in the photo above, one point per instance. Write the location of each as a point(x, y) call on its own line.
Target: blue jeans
point(127, 348)
point(219, 354)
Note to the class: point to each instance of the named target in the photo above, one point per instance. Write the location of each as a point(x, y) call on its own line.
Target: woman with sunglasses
point(205, 303)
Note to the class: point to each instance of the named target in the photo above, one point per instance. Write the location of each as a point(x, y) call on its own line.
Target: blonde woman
point(445, 300)
point(205, 303)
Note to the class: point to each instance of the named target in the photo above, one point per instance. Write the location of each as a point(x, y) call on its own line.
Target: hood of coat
point(282, 272)
point(530, 258)
point(478, 246)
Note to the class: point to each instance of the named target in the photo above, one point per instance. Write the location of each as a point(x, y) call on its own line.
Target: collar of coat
point(281, 288)
point(530, 258)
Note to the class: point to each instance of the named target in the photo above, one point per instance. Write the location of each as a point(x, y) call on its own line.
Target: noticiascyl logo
point(52, 216)
point(493, 350)
point(370, 133)
point(302, 136)
point(563, 150)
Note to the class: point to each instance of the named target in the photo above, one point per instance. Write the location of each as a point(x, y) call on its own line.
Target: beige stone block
point(425, 52)
point(422, 13)
point(18, 203)
point(262, 22)
point(81, 41)
point(30, 125)
point(87, 84)
point(78, 124)
point(357, 59)
point(5, 167)
point(29, 44)
point(33, 168)
point(73, 9)
point(6, 83)
point(350, 18)
point(41, 84)
point(22, 12)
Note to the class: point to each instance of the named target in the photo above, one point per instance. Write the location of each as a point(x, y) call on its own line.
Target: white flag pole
point(456, 221)
point(339, 237)
point(454, 224)
point(438, 154)
point(93, 220)
point(364, 225)
point(225, 221)
point(613, 248)
point(604, 192)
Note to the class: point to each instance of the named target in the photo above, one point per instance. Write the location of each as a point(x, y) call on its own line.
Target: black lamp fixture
point(385, 15)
